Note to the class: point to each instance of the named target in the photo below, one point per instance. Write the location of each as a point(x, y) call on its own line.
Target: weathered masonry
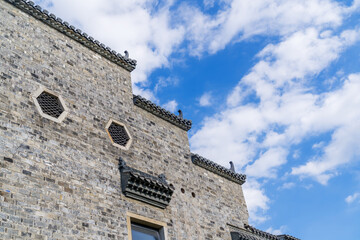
point(83, 158)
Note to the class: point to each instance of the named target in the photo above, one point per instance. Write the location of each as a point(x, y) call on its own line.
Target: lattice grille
point(118, 134)
point(50, 104)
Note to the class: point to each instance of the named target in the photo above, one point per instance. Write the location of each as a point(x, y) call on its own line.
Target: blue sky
point(272, 85)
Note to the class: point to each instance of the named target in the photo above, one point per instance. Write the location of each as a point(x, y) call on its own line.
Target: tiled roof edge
point(145, 187)
point(287, 237)
point(76, 34)
point(218, 169)
point(242, 236)
point(143, 175)
point(268, 236)
point(162, 113)
point(260, 233)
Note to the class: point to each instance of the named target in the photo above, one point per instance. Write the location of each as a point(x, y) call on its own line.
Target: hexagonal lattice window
point(50, 105)
point(119, 134)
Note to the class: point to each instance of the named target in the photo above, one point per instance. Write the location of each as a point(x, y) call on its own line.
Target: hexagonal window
point(119, 134)
point(50, 105)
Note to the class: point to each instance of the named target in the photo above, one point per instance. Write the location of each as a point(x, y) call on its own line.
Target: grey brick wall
point(61, 180)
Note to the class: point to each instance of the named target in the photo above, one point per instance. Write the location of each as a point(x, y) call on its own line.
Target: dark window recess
point(140, 232)
point(50, 104)
point(118, 134)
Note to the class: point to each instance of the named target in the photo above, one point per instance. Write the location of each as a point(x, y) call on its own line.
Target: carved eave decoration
point(218, 169)
point(76, 34)
point(145, 187)
point(162, 113)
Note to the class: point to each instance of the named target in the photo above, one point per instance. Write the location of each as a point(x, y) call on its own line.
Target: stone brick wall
point(61, 180)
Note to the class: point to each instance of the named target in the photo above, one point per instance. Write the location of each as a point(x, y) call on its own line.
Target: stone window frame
point(37, 93)
point(128, 144)
point(147, 222)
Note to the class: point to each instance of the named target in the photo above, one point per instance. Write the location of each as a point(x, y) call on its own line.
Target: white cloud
point(239, 20)
point(165, 82)
point(287, 185)
point(338, 112)
point(171, 106)
point(301, 55)
point(296, 154)
point(279, 231)
point(266, 164)
point(318, 145)
point(229, 136)
point(205, 100)
point(146, 93)
point(256, 200)
point(209, 3)
point(351, 198)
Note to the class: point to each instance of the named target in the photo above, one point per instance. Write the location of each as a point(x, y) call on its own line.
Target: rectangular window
point(142, 228)
point(140, 232)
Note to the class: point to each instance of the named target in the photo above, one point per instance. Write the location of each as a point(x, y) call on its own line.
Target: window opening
point(119, 134)
point(140, 232)
point(50, 104)
point(143, 228)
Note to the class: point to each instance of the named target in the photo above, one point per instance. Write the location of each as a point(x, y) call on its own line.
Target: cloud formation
point(205, 99)
point(279, 231)
point(171, 106)
point(256, 200)
point(239, 20)
point(352, 198)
